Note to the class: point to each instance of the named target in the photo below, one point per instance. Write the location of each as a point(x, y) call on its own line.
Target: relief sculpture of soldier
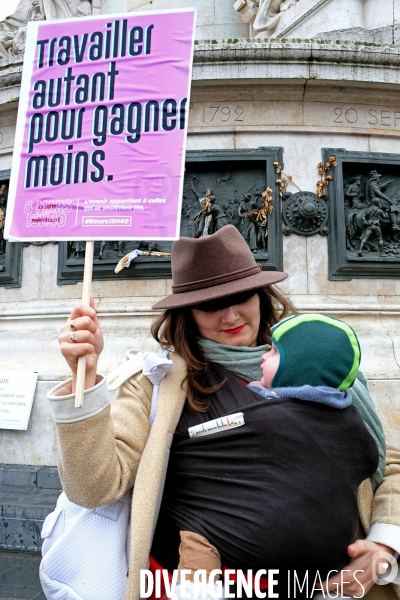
point(353, 193)
point(372, 219)
point(211, 217)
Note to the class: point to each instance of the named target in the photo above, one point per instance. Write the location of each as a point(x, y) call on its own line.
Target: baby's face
point(269, 366)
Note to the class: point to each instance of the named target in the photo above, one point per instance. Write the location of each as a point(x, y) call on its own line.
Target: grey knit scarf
point(242, 361)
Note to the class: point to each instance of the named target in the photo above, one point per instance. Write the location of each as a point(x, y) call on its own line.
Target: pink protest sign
point(101, 130)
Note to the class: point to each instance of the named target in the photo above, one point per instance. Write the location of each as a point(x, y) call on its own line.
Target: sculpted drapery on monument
point(13, 28)
point(357, 20)
point(65, 9)
point(262, 14)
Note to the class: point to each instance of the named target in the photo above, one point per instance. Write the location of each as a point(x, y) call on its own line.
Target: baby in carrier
point(321, 452)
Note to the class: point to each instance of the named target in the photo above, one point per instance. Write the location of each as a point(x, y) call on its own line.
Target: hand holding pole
point(87, 282)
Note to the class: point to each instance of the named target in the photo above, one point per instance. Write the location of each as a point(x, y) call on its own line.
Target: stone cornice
point(353, 62)
point(219, 61)
point(11, 71)
point(294, 50)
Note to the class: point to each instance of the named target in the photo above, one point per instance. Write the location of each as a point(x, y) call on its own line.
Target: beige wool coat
point(111, 448)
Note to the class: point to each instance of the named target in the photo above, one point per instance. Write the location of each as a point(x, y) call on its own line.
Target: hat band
point(217, 280)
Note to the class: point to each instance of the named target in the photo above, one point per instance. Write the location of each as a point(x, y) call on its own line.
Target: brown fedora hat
point(212, 267)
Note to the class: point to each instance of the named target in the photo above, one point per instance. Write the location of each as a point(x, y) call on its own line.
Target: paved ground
point(19, 576)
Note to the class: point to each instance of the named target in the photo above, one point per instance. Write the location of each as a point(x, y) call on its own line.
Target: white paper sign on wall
point(17, 389)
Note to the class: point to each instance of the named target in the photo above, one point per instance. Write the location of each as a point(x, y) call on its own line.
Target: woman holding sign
point(218, 321)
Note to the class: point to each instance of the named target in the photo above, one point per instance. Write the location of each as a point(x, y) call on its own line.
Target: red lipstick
point(233, 331)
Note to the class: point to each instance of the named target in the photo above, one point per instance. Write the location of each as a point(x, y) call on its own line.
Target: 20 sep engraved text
point(373, 116)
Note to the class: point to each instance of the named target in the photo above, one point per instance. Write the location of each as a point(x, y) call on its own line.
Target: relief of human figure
point(231, 211)
point(372, 219)
point(202, 218)
point(395, 215)
point(116, 246)
point(375, 196)
point(77, 250)
point(262, 232)
point(212, 216)
point(219, 218)
point(355, 201)
point(248, 228)
point(353, 193)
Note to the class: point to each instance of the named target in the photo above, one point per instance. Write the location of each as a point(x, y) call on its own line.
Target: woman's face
point(236, 325)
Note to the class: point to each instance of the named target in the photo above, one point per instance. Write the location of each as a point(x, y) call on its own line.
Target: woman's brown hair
point(176, 328)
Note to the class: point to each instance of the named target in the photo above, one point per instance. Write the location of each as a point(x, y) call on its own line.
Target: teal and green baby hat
point(316, 350)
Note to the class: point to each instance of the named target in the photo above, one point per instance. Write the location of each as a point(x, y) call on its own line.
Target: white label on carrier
point(228, 422)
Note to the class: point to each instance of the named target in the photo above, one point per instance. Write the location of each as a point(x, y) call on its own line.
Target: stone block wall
point(28, 494)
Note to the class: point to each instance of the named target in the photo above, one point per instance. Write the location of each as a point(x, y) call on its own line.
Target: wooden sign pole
point(87, 283)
